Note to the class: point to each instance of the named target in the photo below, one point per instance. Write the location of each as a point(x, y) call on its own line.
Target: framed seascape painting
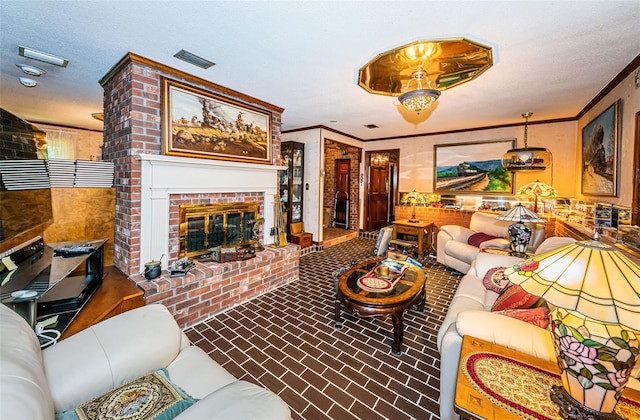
point(600, 153)
point(472, 168)
point(200, 124)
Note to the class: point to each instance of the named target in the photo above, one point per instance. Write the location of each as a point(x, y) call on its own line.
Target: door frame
point(393, 173)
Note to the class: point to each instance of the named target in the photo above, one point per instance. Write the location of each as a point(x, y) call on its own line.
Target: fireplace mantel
point(163, 176)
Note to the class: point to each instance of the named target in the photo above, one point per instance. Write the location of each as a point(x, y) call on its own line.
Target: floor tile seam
point(333, 403)
point(299, 394)
point(395, 405)
point(418, 407)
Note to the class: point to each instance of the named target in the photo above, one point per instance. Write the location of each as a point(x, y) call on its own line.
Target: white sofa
point(35, 383)
point(453, 249)
point(470, 313)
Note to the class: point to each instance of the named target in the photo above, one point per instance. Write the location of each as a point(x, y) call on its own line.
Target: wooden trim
point(466, 130)
point(612, 84)
point(131, 58)
point(322, 127)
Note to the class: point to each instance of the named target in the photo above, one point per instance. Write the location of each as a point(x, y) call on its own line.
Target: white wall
point(313, 140)
point(312, 197)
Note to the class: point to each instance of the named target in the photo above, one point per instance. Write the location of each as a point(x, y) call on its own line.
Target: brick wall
point(437, 216)
point(215, 287)
point(332, 152)
point(18, 138)
point(132, 125)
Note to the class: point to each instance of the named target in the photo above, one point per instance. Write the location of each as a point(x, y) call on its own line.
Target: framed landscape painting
point(200, 124)
point(474, 168)
point(600, 153)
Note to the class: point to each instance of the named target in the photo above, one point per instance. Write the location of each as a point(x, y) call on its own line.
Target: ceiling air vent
point(190, 57)
point(371, 126)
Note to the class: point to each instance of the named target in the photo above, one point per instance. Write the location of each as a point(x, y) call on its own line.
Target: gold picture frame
point(201, 124)
point(600, 153)
point(472, 168)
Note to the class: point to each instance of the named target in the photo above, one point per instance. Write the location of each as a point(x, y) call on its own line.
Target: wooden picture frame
point(472, 168)
point(200, 124)
point(600, 153)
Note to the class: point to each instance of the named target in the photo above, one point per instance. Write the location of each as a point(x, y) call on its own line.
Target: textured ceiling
point(550, 57)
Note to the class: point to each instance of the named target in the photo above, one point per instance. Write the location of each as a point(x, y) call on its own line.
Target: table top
point(406, 222)
point(406, 288)
point(477, 401)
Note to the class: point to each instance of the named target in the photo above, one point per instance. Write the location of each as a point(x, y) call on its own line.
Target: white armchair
point(35, 384)
point(454, 250)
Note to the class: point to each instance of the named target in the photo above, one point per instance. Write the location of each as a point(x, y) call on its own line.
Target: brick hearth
point(215, 287)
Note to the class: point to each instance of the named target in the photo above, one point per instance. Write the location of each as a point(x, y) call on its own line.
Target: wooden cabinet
point(116, 295)
point(292, 182)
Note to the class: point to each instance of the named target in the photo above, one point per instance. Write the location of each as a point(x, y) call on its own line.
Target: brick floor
point(285, 341)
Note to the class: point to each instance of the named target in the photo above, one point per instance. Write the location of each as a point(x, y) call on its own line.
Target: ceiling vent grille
point(191, 58)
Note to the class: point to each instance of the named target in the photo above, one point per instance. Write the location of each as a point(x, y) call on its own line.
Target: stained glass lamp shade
point(519, 232)
point(537, 189)
point(413, 198)
point(596, 291)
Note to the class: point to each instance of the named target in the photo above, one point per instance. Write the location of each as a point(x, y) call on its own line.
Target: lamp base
point(571, 409)
point(413, 220)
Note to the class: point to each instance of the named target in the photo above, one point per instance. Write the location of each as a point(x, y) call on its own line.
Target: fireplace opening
point(204, 227)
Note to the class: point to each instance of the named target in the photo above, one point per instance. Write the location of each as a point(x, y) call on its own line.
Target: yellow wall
point(416, 154)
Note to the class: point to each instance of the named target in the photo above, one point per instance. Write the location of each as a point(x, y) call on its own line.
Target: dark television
point(24, 215)
point(25, 196)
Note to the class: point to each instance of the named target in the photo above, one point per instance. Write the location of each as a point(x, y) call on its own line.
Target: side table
point(473, 404)
point(417, 229)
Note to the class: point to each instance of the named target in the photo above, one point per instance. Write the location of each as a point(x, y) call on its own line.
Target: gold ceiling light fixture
point(98, 116)
point(527, 158)
point(419, 98)
point(418, 72)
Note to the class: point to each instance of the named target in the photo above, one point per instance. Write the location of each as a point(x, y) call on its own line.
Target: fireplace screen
point(207, 226)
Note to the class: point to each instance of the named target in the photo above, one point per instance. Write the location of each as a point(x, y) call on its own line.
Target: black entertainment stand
point(62, 285)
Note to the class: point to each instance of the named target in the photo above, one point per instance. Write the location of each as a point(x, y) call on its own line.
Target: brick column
point(132, 126)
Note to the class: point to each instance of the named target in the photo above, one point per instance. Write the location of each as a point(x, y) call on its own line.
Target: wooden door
point(343, 193)
point(378, 197)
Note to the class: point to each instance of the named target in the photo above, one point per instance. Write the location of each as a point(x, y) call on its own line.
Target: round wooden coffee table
point(408, 291)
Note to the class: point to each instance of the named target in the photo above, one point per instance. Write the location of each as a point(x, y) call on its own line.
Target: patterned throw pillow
point(536, 316)
point(151, 396)
point(514, 297)
point(495, 280)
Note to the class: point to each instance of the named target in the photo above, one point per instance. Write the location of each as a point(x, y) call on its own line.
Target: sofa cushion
point(461, 251)
point(477, 238)
point(514, 297)
point(23, 384)
point(535, 316)
point(495, 280)
point(239, 400)
point(197, 373)
point(150, 396)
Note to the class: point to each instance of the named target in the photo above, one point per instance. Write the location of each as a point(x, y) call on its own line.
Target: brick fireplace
point(150, 187)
